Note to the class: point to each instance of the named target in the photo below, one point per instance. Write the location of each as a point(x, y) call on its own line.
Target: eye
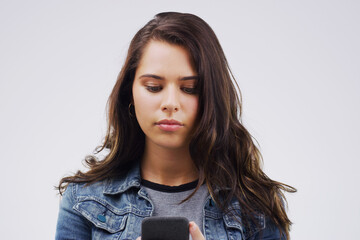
point(153, 88)
point(190, 90)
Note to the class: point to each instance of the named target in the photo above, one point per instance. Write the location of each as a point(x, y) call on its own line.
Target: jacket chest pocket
point(236, 230)
point(108, 222)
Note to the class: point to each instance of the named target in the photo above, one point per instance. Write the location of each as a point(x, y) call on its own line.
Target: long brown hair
point(222, 149)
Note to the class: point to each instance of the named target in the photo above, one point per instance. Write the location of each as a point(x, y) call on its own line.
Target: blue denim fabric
point(114, 209)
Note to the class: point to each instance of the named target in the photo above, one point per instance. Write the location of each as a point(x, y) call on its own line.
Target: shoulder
point(104, 189)
point(82, 197)
point(80, 190)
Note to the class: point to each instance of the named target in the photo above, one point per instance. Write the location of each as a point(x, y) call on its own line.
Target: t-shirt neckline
point(170, 189)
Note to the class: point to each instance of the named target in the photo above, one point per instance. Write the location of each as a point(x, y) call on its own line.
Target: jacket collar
point(120, 185)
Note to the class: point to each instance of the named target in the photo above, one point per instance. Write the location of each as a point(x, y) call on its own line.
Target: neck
point(171, 167)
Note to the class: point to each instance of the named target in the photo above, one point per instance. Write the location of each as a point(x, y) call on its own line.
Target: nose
point(170, 102)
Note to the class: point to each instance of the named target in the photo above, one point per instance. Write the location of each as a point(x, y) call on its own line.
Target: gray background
point(297, 63)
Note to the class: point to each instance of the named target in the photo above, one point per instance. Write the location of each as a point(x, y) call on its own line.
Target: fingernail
point(192, 225)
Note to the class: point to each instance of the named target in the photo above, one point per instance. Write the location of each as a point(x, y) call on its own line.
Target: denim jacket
point(114, 209)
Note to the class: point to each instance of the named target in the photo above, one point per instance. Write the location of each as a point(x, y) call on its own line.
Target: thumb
point(195, 231)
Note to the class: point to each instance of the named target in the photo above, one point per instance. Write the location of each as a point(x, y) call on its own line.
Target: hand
point(194, 232)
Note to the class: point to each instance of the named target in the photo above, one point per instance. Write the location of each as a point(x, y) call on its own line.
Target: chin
point(170, 144)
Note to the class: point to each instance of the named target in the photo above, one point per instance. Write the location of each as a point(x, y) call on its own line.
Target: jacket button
point(101, 218)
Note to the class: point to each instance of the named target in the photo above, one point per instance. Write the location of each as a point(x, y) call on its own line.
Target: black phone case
point(165, 228)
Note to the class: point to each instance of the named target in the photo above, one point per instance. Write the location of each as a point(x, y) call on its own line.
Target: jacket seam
point(74, 199)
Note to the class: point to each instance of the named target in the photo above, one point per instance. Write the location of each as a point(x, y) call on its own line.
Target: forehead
point(165, 59)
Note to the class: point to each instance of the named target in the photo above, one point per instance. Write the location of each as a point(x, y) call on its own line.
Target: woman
point(176, 147)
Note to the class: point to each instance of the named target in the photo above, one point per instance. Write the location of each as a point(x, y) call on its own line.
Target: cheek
point(145, 105)
point(192, 104)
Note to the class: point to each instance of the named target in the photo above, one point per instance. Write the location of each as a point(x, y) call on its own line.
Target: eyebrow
point(161, 78)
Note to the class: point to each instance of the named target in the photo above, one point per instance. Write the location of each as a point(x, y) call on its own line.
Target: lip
point(169, 122)
point(169, 125)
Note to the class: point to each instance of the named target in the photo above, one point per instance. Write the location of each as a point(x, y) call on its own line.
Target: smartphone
point(165, 228)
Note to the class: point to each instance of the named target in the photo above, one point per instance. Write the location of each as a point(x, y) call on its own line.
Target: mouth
point(169, 125)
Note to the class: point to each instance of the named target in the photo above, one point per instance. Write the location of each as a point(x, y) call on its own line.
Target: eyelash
point(155, 89)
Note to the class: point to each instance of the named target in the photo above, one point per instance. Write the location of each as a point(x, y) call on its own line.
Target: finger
point(195, 232)
point(139, 238)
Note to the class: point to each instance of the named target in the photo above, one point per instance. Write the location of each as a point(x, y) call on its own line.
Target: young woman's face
point(164, 95)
